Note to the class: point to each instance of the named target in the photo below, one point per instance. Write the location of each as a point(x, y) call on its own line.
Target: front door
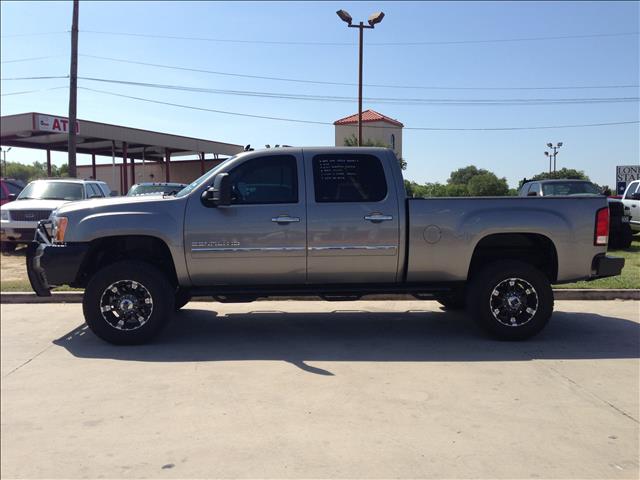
point(352, 225)
point(261, 237)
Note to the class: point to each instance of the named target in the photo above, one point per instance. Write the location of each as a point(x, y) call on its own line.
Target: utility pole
point(4, 161)
point(373, 20)
point(73, 91)
point(554, 154)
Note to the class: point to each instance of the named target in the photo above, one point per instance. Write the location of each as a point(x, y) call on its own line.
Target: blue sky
point(431, 155)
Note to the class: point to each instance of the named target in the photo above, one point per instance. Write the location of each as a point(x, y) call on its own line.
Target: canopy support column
point(125, 180)
point(93, 166)
point(133, 171)
point(167, 154)
point(48, 163)
point(201, 163)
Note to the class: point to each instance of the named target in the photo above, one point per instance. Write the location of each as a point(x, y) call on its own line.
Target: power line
point(49, 77)
point(402, 101)
point(336, 98)
point(428, 42)
point(283, 119)
point(32, 91)
point(29, 59)
point(321, 82)
point(32, 34)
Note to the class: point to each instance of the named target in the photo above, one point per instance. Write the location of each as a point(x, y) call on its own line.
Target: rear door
point(260, 238)
point(352, 218)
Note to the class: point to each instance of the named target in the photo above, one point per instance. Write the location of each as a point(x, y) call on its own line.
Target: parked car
point(333, 222)
point(631, 202)
point(9, 190)
point(18, 220)
point(155, 189)
point(620, 234)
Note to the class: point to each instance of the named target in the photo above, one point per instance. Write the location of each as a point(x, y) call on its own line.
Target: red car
point(9, 190)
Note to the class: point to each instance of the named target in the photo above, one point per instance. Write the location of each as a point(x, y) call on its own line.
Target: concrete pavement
point(326, 390)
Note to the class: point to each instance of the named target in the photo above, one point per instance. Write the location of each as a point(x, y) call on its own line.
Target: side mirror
point(635, 196)
point(219, 194)
point(532, 194)
point(12, 197)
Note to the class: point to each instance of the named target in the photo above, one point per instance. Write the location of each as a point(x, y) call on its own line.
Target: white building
point(377, 128)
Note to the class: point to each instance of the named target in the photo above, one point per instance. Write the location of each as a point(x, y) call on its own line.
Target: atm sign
point(47, 123)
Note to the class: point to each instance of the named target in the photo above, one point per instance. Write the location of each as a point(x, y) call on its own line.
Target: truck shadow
point(202, 335)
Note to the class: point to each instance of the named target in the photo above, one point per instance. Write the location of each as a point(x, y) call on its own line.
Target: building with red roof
point(377, 129)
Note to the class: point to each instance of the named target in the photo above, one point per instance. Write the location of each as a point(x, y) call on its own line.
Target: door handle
point(377, 217)
point(285, 219)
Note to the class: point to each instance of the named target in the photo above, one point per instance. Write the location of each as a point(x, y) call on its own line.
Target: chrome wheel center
point(513, 302)
point(126, 305)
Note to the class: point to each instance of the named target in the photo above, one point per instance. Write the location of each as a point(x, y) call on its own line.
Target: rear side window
point(94, 190)
point(13, 188)
point(348, 178)
point(261, 180)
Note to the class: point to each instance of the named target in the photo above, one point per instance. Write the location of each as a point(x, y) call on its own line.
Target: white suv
point(631, 201)
point(18, 219)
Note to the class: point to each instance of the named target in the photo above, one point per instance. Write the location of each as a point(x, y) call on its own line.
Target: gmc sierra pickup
point(332, 222)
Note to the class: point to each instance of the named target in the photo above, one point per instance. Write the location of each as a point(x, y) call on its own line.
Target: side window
point(632, 189)
point(348, 178)
point(94, 190)
point(534, 187)
point(13, 188)
point(264, 180)
point(3, 195)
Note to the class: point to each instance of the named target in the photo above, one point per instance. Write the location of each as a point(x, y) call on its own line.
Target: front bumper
point(17, 235)
point(50, 265)
point(606, 266)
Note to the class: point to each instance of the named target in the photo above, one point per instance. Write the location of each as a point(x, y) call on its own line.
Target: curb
point(559, 294)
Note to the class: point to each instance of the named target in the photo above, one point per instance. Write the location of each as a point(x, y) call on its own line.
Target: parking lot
point(333, 390)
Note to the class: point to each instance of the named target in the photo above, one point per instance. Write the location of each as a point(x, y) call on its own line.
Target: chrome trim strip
point(354, 247)
point(248, 249)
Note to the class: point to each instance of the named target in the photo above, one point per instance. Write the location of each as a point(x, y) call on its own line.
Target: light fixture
point(344, 16)
point(375, 18)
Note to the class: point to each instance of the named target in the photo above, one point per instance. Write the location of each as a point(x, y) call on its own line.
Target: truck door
point(352, 219)
point(261, 237)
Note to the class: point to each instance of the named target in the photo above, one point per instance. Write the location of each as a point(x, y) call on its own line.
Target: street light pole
point(373, 20)
point(554, 154)
point(4, 160)
point(73, 91)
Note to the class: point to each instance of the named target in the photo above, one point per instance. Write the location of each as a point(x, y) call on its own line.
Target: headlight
point(4, 215)
point(59, 228)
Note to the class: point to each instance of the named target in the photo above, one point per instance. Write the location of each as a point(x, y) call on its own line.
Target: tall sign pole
point(73, 91)
point(360, 88)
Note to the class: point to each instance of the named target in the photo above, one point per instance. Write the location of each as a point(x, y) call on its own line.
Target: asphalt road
point(324, 390)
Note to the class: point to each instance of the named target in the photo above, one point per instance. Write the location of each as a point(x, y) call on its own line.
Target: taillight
point(601, 236)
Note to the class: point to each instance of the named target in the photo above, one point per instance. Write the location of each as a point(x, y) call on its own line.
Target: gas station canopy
point(49, 132)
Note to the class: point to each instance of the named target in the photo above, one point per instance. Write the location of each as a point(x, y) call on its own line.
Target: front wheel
point(128, 302)
point(510, 299)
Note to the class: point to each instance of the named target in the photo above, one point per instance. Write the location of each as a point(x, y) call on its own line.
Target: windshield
point(150, 189)
point(52, 191)
point(570, 188)
point(200, 180)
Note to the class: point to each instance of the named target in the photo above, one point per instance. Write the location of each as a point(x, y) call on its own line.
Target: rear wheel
point(128, 302)
point(512, 300)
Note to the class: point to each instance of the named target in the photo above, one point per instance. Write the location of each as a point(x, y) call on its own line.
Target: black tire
point(512, 300)
point(8, 247)
point(139, 308)
point(182, 298)
point(452, 301)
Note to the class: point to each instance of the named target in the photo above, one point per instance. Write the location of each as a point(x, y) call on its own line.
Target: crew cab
point(332, 222)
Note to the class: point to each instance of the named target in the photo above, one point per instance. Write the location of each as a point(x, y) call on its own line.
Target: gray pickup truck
point(331, 222)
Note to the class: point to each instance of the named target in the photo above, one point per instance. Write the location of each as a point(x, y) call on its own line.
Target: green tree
point(487, 185)
point(462, 176)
